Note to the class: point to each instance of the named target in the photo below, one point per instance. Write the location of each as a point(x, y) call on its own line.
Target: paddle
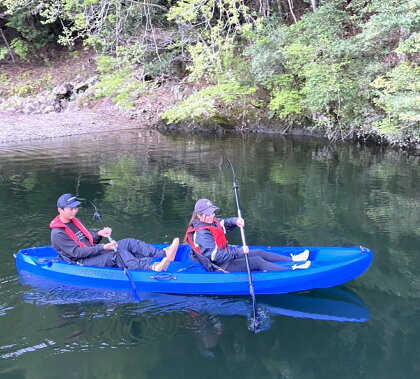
point(255, 323)
point(97, 216)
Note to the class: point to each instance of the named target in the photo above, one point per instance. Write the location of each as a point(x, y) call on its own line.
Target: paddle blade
point(135, 295)
point(254, 325)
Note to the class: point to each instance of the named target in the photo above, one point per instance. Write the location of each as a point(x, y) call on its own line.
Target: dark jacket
point(207, 245)
point(69, 249)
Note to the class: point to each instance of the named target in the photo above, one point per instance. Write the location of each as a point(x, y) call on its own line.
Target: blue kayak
point(331, 266)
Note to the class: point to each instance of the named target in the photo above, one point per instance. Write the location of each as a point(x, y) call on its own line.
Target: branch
point(149, 5)
point(7, 46)
point(291, 10)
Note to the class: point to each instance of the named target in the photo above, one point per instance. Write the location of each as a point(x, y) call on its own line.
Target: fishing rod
point(255, 323)
point(97, 216)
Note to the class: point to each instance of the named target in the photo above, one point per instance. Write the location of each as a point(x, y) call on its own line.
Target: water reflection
point(293, 191)
point(161, 316)
point(333, 304)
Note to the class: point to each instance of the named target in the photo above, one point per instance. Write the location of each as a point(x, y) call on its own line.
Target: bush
point(117, 78)
point(20, 47)
point(215, 103)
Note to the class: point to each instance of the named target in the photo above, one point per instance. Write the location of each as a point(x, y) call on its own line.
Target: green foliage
point(212, 28)
point(399, 96)
point(117, 78)
point(410, 46)
point(4, 51)
point(4, 79)
point(106, 25)
point(266, 59)
point(285, 100)
point(4, 84)
point(167, 64)
point(20, 47)
point(348, 67)
point(317, 54)
point(24, 89)
point(30, 28)
point(209, 103)
point(331, 58)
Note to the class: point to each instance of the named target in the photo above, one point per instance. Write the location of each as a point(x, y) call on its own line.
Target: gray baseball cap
point(205, 206)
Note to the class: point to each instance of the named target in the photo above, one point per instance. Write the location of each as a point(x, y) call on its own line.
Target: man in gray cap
point(76, 244)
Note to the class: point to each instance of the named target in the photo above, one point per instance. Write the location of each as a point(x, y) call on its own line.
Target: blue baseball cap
point(67, 200)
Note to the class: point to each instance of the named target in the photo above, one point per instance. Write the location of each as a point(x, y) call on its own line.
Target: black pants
point(259, 260)
point(103, 259)
point(136, 254)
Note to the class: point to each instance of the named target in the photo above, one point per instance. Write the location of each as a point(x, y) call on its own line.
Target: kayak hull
point(331, 266)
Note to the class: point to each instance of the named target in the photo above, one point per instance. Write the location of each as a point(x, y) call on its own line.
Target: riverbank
point(40, 101)
point(62, 103)
point(18, 127)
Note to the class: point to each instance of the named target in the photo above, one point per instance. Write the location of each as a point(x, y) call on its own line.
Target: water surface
point(293, 191)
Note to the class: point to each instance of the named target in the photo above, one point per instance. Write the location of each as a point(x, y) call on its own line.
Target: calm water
point(293, 192)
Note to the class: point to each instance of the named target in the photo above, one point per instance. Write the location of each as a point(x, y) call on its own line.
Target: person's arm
point(96, 238)
point(229, 223)
point(105, 232)
point(70, 249)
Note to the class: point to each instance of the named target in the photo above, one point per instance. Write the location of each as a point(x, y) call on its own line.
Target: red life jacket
point(217, 232)
point(57, 223)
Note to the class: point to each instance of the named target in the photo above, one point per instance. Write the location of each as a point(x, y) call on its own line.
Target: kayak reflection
point(334, 304)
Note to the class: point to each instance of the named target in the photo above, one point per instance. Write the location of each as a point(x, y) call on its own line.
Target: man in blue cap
point(76, 244)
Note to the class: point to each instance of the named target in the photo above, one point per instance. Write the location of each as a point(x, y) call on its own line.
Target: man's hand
point(105, 232)
point(111, 245)
point(245, 249)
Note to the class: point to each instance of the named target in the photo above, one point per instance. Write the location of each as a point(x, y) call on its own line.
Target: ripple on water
point(14, 351)
point(4, 308)
point(10, 293)
point(75, 319)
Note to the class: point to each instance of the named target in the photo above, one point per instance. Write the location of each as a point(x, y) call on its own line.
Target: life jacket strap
point(206, 263)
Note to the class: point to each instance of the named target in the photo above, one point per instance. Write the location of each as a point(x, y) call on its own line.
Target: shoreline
point(19, 127)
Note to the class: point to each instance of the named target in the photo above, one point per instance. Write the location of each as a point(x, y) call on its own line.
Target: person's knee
point(109, 260)
point(255, 263)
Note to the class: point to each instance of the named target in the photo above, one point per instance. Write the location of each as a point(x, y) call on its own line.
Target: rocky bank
point(19, 127)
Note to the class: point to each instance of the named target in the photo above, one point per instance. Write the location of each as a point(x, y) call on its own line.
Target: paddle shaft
point(98, 216)
point(125, 268)
point(241, 228)
point(256, 323)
